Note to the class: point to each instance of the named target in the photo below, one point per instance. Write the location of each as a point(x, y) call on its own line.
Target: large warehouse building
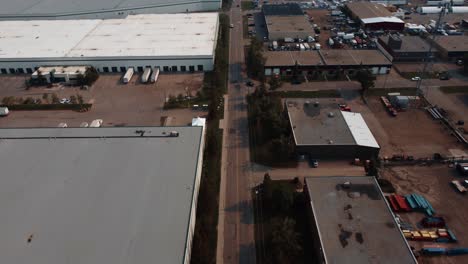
point(92, 9)
point(352, 223)
point(326, 62)
point(374, 16)
point(172, 42)
point(286, 21)
point(322, 131)
point(99, 195)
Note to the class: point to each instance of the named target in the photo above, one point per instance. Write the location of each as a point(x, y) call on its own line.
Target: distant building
point(352, 222)
point(172, 42)
point(322, 131)
point(286, 21)
point(374, 16)
point(452, 47)
point(390, 2)
point(99, 195)
point(326, 62)
point(102, 9)
point(406, 48)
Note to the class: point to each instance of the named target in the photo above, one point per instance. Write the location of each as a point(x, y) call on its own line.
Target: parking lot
point(434, 184)
point(117, 104)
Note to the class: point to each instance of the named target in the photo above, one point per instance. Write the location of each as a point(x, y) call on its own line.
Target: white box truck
point(145, 76)
point(275, 45)
point(317, 46)
point(128, 75)
point(154, 75)
point(4, 111)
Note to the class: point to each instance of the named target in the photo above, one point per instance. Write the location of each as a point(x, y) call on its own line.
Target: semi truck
point(128, 75)
point(146, 74)
point(154, 75)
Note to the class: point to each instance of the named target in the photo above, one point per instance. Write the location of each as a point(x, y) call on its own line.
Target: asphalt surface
point(237, 244)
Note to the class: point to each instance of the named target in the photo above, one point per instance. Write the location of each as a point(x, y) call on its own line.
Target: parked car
point(231, 25)
point(314, 163)
point(416, 78)
point(64, 101)
point(249, 83)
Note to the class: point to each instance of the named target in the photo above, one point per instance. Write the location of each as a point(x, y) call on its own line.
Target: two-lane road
point(237, 244)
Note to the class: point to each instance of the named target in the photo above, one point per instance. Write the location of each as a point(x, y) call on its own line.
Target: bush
point(55, 99)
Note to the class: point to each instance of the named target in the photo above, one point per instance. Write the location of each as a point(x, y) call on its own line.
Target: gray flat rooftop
point(67, 7)
point(368, 10)
point(355, 224)
point(96, 195)
point(312, 124)
point(288, 24)
point(409, 44)
point(453, 43)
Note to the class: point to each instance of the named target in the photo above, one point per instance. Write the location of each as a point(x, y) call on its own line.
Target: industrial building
point(452, 47)
point(99, 195)
point(326, 62)
point(103, 9)
point(286, 21)
point(391, 2)
point(322, 131)
point(374, 16)
point(352, 222)
point(406, 48)
point(172, 42)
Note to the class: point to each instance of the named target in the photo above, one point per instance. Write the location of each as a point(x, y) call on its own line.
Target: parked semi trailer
point(128, 75)
point(145, 76)
point(155, 75)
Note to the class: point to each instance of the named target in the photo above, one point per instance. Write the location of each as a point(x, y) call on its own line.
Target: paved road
point(236, 242)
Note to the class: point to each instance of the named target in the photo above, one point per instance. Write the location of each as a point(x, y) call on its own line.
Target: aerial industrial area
point(228, 131)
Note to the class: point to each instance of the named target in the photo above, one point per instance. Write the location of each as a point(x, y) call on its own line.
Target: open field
point(434, 184)
point(134, 104)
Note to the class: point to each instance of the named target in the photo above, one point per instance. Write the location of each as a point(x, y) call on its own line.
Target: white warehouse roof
point(381, 20)
point(155, 35)
point(359, 129)
point(57, 8)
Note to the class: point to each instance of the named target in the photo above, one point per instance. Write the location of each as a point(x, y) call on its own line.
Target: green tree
point(91, 75)
point(80, 99)
point(282, 198)
point(55, 99)
point(275, 83)
point(255, 60)
point(73, 99)
point(286, 242)
point(366, 79)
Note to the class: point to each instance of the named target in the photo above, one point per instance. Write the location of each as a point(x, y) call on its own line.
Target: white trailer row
point(148, 75)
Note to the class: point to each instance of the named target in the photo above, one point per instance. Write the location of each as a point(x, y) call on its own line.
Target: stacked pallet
point(433, 221)
point(440, 235)
point(398, 203)
point(418, 202)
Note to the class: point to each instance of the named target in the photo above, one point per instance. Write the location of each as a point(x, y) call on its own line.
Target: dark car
point(249, 83)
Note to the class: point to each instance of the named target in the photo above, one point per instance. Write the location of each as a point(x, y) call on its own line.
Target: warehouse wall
point(108, 64)
point(193, 211)
point(338, 151)
point(188, 6)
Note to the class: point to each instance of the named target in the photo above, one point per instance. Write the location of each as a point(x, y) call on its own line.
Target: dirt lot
point(412, 132)
point(434, 184)
point(455, 104)
point(116, 103)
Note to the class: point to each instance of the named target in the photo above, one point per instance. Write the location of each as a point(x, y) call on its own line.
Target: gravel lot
point(134, 104)
point(434, 184)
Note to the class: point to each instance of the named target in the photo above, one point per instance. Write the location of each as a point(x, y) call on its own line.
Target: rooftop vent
point(174, 134)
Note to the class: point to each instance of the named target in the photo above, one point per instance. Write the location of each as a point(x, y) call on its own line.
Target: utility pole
point(443, 8)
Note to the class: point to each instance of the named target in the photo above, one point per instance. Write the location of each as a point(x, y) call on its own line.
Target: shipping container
point(128, 75)
point(155, 75)
point(146, 74)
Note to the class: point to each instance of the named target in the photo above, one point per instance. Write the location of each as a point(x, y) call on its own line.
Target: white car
point(65, 101)
point(416, 78)
point(231, 26)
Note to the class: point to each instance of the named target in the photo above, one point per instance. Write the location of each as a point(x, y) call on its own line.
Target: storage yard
point(412, 132)
point(117, 104)
point(433, 183)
